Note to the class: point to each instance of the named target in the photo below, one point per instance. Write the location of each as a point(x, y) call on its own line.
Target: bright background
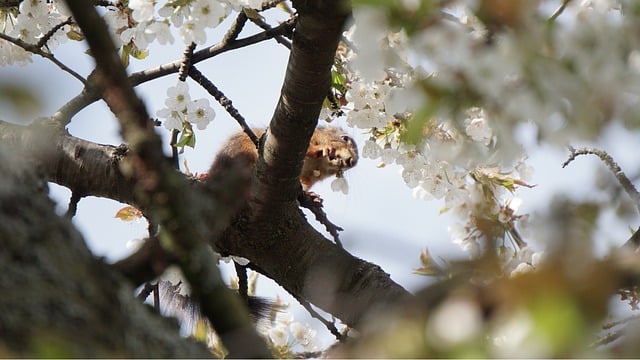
point(383, 223)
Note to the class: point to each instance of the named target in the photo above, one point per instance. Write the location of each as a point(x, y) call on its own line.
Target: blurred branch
point(146, 264)
point(9, 3)
point(167, 195)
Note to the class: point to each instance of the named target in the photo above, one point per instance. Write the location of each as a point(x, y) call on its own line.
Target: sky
point(383, 223)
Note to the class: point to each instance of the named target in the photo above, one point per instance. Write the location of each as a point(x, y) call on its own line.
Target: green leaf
point(253, 14)
point(125, 55)
point(139, 54)
point(338, 81)
point(187, 137)
point(128, 213)
point(75, 35)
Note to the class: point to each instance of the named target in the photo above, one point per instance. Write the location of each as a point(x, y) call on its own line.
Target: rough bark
point(58, 299)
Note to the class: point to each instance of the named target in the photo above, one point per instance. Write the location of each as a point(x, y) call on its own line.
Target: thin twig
point(286, 28)
point(559, 10)
point(224, 101)
point(330, 325)
point(312, 202)
point(43, 41)
point(613, 166)
point(608, 338)
point(235, 29)
point(615, 323)
point(265, 26)
point(38, 51)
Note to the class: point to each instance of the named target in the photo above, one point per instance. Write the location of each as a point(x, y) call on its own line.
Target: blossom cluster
point(424, 116)
point(180, 109)
point(452, 96)
point(135, 24)
point(29, 23)
point(286, 335)
point(145, 21)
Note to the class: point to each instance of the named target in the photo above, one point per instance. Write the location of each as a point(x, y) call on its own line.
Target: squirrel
point(331, 151)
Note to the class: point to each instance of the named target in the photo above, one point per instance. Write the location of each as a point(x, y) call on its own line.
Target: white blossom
point(200, 113)
point(178, 96)
point(478, 129)
point(142, 10)
point(303, 334)
point(173, 118)
point(371, 149)
point(193, 31)
point(208, 13)
point(340, 184)
point(279, 336)
point(160, 31)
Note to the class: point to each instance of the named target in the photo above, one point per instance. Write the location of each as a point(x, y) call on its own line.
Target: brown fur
point(330, 152)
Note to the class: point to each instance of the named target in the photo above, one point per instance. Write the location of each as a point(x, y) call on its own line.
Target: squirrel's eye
point(346, 138)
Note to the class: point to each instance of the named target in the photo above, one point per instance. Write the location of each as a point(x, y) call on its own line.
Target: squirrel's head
point(331, 151)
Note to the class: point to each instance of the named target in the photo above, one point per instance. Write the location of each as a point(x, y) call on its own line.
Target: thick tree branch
point(162, 191)
point(275, 235)
point(62, 301)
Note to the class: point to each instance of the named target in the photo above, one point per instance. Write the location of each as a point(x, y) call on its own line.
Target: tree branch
point(224, 101)
point(162, 191)
point(35, 49)
point(273, 233)
point(63, 301)
point(89, 95)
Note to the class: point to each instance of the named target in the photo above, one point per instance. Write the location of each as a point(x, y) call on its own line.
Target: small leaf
point(429, 265)
point(492, 175)
point(338, 81)
point(75, 35)
point(285, 7)
point(125, 55)
point(128, 213)
point(139, 54)
point(187, 138)
point(253, 14)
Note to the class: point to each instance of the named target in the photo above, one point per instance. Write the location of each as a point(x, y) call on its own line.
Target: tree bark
point(58, 299)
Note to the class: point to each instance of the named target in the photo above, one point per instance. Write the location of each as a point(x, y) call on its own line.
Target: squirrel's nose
point(350, 161)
